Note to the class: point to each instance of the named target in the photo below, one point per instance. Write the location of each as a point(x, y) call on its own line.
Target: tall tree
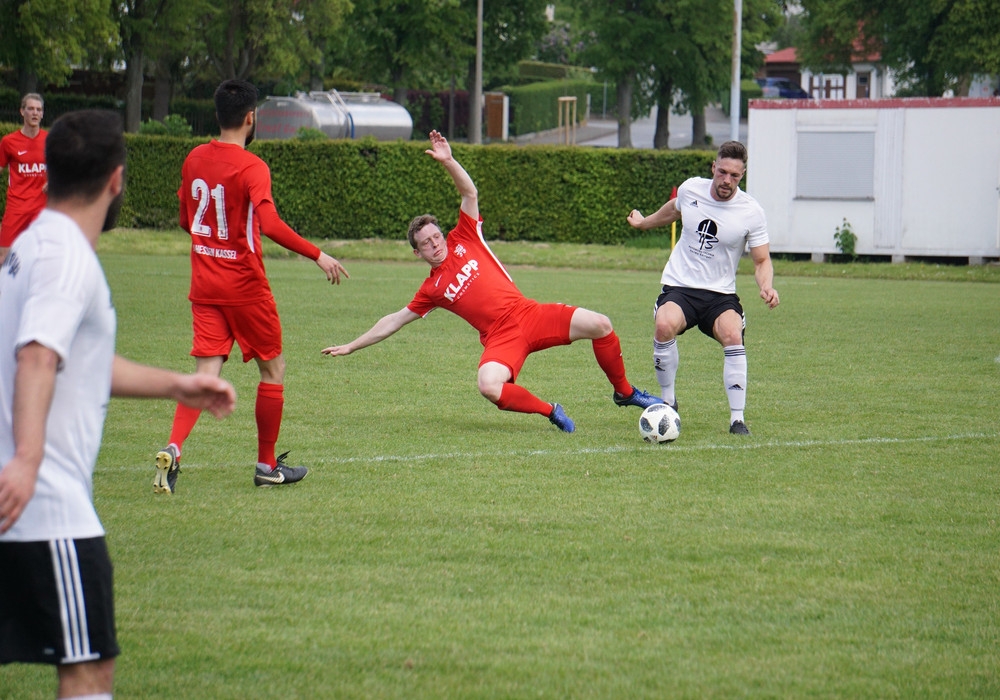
point(699, 63)
point(622, 34)
point(269, 37)
point(932, 46)
point(401, 43)
point(43, 39)
point(511, 31)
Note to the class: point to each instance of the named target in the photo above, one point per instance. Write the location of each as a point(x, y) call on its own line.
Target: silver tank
point(339, 115)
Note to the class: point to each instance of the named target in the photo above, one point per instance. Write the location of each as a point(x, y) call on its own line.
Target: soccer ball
point(659, 423)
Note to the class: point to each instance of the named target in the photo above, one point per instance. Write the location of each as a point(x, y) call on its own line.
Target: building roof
point(782, 56)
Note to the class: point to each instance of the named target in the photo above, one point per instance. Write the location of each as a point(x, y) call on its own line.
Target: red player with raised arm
point(468, 280)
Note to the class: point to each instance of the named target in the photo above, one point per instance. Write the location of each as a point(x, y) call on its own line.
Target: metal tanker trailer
point(339, 115)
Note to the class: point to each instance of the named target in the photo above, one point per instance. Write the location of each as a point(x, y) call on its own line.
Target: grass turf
point(442, 548)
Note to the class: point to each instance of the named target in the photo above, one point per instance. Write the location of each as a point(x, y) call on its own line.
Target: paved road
point(604, 132)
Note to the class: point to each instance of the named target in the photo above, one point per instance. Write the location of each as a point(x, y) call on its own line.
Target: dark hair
point(732, 149)
point(233, 99)
point(418, 224)
point(82, 149)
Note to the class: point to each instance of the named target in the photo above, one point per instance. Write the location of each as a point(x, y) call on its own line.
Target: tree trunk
point(625, 111)
point(664, 101)
point(699, 137)
point(162, 93)
point(27, 81)
point(133, 89)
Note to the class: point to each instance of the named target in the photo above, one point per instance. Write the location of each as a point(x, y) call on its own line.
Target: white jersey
point(53, 292)
point(713, 237)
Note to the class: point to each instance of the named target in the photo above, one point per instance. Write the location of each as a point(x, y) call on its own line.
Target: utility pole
point(734, 88)
point(476, 98)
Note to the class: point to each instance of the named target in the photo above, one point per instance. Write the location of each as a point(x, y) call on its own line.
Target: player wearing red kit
point(23, 154)
point(468, 280)
point(226, 204)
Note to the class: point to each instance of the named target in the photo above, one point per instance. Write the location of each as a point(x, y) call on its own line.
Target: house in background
point(867, 79)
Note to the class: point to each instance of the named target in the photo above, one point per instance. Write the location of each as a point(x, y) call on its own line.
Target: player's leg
point(728, 330)
point(269, 408)
point(494, 380)
point(93, 679)
point(608, 352)
point(670, 321)
point(59, 609)
point(168, 460)
point(212, 342)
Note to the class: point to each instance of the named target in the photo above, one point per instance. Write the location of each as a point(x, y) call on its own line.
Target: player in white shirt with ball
point(719, 221)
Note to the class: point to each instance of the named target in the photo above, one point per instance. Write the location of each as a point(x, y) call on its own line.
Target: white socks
point(734, 376)
point(665, 361)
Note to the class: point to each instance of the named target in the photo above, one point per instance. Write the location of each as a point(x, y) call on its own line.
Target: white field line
point(639, 448)
point(643, 448)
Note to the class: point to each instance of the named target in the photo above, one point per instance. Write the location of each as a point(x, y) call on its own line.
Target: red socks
point(608, 351)
point(270, 404)
point(184, 420)
point(517, 398)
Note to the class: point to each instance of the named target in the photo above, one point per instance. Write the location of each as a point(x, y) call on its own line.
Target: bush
point(535, 107)
point(429, 110)
point(370, 189)
point(306, 133)
point(172, 125)
point(539, 71)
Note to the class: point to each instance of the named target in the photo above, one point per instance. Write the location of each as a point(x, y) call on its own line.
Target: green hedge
point(537, 70)
point(535, 107)
point(363, 189)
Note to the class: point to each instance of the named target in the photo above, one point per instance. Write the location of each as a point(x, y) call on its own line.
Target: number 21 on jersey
point(202, 193)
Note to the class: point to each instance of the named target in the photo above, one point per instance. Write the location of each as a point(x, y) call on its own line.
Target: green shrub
point(306, 133)
point(172, 125)
point(535, 107)
point(537, 70)
point(846, 239)
point(369, 189)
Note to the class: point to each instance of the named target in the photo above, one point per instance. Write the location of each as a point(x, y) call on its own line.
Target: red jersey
point(471, 282)
point(222, 187)
point(25, 159)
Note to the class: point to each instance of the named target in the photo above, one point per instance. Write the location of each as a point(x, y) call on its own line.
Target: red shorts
point(255, 327)
point(528, 328)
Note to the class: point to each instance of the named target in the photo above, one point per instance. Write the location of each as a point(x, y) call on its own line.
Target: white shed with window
point(916, 177)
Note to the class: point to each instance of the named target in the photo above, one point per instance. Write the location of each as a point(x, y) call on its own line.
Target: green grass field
point(440, 548)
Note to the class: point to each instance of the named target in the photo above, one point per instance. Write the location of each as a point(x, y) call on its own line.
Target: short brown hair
point(417, 224)
point(31, 96)
point(732, 149)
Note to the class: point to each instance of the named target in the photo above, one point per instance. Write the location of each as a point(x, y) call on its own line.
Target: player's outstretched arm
point(202, 391)
point(383, 328)
point(332, 268)
point(440, 151)
point(667, 214)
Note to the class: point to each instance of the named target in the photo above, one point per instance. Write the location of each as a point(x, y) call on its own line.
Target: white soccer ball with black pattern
point(659, 423)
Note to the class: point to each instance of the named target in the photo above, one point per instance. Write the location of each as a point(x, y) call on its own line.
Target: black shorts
point(700, 306)
point(57, 602)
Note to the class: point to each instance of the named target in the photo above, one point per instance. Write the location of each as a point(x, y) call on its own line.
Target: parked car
point(781, 87)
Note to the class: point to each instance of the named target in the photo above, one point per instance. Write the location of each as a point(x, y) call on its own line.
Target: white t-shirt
point(713, 237)
point(53, 292)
